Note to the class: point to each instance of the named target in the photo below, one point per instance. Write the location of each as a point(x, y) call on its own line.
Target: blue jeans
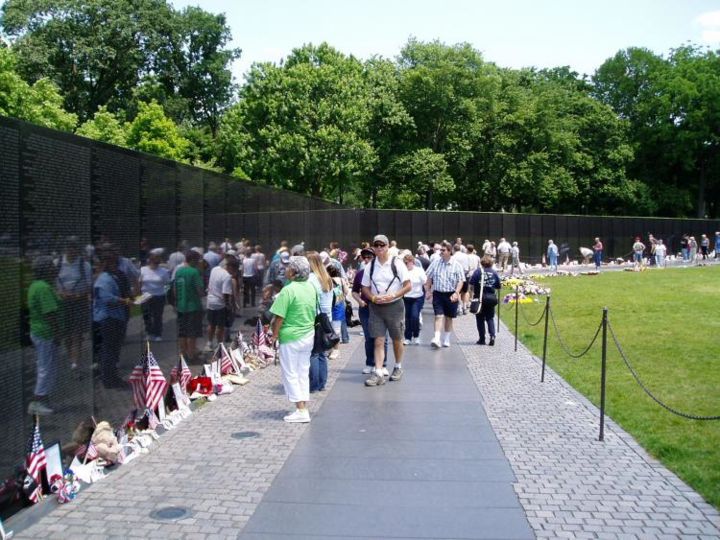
point(318, 371)
point(598, 258)
point(364, 315)
point(413, 306)
point(344, 336)
point(46, 359)
point(552, 261)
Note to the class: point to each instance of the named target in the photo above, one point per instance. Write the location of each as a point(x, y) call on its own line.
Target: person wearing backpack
point(385, 282)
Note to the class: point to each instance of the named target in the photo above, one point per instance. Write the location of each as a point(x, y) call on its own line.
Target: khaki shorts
point(387, 318)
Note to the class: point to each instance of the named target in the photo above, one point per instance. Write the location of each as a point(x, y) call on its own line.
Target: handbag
point(325, 336)
point(474, 305)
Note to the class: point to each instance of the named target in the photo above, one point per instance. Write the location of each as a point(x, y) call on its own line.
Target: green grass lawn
point(668, 324)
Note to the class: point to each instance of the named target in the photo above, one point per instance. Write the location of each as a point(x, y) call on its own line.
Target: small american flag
point(226, 363)
point(181, 373)
point(148, 383)
point(259, 337)
point(35, 463)
point(92, 452)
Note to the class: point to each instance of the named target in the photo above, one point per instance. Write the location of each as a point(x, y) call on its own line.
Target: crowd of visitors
point(90, 291)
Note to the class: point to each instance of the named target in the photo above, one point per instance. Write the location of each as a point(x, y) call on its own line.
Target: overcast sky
point(511, 33)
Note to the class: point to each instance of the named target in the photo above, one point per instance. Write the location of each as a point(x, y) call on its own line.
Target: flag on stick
point(226, 363)
point(181, 373)
point(35, 463)
point(148, 382)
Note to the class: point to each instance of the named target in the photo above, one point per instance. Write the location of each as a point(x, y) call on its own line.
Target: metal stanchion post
point(517, 307)
point(497, 326)
point(603, 374)
point(547, 317)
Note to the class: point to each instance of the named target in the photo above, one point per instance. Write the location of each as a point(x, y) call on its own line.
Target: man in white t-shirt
point(385, 282)
point(503, 253)
point(220, 300)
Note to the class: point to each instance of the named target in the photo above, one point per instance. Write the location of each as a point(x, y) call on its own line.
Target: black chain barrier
point(542, 316)
point(564, 346)
point(650, 394)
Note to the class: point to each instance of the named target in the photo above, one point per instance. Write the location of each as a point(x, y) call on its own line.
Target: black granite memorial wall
point(66, 197)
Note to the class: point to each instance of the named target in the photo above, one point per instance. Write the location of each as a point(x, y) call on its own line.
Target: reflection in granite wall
point(85, 206)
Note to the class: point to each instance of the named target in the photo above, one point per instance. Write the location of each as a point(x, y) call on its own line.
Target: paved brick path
point(569, 484)
point(198, 465)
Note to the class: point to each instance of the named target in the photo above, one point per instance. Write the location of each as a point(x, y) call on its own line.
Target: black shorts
point(190, 324)
point(442, 305)
point(217, 317)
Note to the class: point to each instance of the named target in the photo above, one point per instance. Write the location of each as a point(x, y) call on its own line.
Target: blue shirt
point(107, 300)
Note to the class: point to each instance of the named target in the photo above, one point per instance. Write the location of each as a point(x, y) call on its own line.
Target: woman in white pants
point(293, 325)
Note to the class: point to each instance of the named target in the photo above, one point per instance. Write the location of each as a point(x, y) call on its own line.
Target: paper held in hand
point(144, 297)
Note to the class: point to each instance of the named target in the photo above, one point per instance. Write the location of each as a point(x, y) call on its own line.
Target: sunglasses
point(379, 244)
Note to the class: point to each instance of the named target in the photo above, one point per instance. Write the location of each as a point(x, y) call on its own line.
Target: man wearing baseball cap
point(385, 282)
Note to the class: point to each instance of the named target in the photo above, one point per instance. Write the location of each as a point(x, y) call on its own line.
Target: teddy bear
point(106, 442)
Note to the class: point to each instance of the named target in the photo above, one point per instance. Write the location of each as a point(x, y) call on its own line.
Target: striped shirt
point(445, 275)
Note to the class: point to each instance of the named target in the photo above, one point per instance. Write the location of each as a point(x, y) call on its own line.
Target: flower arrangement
point(525, 287)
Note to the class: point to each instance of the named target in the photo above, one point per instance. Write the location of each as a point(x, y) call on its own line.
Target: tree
point(416, 178)
point(153, 132)
point(672, 105)
point(303, 125)
point(105, 127)
point(99, 52)
point(39, 104)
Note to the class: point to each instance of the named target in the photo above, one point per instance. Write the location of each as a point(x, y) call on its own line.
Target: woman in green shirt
point(44, 307)
point(293, 326)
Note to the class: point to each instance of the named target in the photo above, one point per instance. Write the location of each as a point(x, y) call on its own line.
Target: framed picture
point(54, 466)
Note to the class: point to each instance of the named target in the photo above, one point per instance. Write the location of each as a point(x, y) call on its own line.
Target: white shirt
point(176, 258)
point(417, 280)
point(660, 249)
point(393, 251)
point(249, 267)
point(503, 247)
point(154, 281)
point(383, 280)
point(220, 283)
point(462, 258)
point(474, 262)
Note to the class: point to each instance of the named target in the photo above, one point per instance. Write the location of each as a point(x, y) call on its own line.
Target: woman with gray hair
point(293, 326)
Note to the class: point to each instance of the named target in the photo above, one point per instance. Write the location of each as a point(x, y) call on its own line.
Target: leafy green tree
point(303, 125)
point(105, 127)
point(100, 51)
point(415, 178)
point(40, 103)
point(672, 105)
point(153, 132)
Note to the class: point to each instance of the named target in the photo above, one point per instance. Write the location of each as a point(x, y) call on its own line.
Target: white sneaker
point(367, 370)
point(446, 343)
point(385, 372)
point(39, 408)
point(406, 342)
point(300, 416)
point(435, 343)
point(415, 341)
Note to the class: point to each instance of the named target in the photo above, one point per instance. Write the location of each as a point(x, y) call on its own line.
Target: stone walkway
point(570, 484)
point(563, 482)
